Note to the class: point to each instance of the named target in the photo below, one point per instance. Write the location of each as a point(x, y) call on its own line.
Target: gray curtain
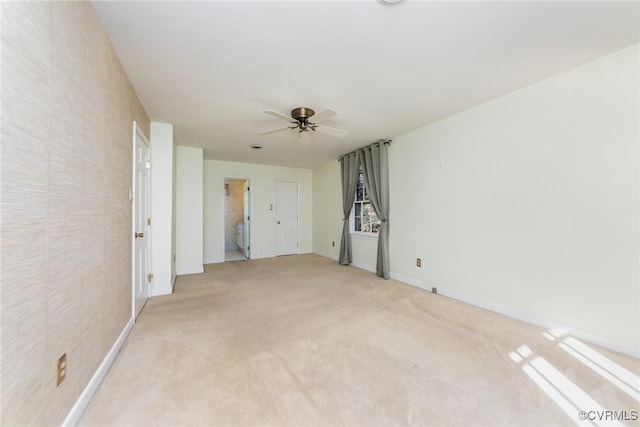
point(374, 163)
point(350, 169)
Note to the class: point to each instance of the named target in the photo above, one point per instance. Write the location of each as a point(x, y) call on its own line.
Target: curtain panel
point(372, 161)
point(350, 169)
point(375, 170)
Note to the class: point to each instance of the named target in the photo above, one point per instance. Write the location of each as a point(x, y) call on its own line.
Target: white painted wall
point(174, 196)
point(527, 204)
point(327, 222)
point(189, 210)
point(327, 204)
point(161, 207)
point(263, 196)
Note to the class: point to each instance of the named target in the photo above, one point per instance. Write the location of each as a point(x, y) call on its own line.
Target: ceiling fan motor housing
point(302, 114)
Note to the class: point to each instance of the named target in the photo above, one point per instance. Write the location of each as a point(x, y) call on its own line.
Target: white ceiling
point(211, 68)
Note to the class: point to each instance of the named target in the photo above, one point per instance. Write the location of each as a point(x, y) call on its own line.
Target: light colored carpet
point(234, 255)
point(300, 340)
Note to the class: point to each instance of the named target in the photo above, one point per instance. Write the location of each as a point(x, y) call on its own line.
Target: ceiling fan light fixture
point(304, 137)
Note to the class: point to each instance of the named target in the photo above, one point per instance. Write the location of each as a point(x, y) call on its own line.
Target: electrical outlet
point(62, 368)
point(434, 290)
point(418, 262)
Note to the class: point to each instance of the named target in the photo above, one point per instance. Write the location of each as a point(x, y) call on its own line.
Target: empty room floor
point(301, 340)
point(234, 255)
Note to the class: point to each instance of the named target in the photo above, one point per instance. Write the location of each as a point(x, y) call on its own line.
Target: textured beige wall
point(67, 112)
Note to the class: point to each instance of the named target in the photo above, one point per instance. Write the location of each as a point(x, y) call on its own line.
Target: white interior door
point(141, 219)
point(287, 218)
point(247, 221)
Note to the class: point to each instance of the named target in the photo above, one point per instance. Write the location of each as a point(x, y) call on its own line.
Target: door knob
point(278, 222)
point(139, 235)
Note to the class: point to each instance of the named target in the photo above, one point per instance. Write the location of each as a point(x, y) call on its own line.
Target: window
point(364, 218)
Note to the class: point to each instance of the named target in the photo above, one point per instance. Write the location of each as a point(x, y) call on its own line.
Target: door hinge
point(148, 165)
point(150, 278)
point(148, 221)
point(248, 218)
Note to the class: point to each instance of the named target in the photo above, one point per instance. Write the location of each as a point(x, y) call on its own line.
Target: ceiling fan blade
point(305, 138)
point(325, 114)
point(279, 115)
point(332, 131)
point(274, 130)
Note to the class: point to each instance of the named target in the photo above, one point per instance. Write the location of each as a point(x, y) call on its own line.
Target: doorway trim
point(224, 211)
point(137, 132)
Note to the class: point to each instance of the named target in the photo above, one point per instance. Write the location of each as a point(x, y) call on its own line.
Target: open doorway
point(236, 219)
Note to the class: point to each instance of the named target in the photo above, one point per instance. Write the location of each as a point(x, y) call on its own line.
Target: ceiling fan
point(305, 120)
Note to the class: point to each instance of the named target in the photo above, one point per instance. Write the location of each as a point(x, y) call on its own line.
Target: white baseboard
point(212, 260)
point(335, 258)
point(545, 323)
point(371, 268)
point(190, 270)
point(408, 281)
point(83, 401)
point(526, 317)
